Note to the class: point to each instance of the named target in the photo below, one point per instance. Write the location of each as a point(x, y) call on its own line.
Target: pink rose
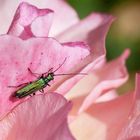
point(98, 113)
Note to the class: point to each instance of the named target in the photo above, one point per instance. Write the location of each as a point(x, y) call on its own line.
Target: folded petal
point(38, 54)
point(99, 82)
point(64, 15)
point(113, 75)
point(30, 21)
point(37, 119)
point(56, 5)
point(110, 95)
point(92, 30)
point(102, 121)
point(82, 70)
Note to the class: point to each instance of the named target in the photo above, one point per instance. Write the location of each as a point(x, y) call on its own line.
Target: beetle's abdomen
point(30, 88)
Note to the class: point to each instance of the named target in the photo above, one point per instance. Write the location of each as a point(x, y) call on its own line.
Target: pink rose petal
point(92, 30)
point(30, 21)
point(56, 5)
point(8, 9)
point(110, 95)
point(98, 82)
point(102, 121)
point(65, 83)
point(39, 118)
point(38, 54)
point(64, 15)
point(112, 75)
point(68, 84)
point(132, 127)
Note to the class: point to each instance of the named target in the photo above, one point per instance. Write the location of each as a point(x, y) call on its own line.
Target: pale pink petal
point(64, 15)
point(30, 21)
point(92, 30)
point(96, 62)
point(85, 68)
point(100, 81)
point(110, 95)
point(112, 75)
point(63, 133)
point(8, 8)
point(39, 118)
point(131, 131)
point(65, 83)
point(102, 121)
point(38, 54)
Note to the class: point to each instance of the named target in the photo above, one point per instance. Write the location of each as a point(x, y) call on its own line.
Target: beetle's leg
point(48, 85)
point(32, 94)
point(34, 74)
point(41, 90)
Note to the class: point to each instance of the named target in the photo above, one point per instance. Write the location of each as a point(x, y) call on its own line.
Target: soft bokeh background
point(124, 33)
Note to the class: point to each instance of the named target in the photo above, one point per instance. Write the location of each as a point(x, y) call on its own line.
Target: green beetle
point(42, 81)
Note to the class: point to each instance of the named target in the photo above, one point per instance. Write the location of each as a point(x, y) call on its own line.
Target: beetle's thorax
point(49, 77)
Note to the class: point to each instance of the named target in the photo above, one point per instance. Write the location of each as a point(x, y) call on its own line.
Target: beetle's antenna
point(70, 74)
point(66, 73)
point(60, 65)
point(51, 69)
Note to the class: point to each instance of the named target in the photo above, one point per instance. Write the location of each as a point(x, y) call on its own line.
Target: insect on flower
point(42, 81)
